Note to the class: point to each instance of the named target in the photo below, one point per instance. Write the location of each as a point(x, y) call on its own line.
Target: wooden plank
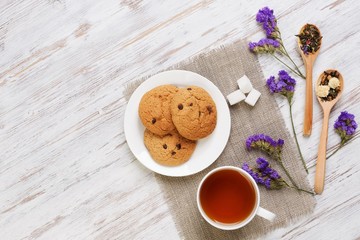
point(65, 169)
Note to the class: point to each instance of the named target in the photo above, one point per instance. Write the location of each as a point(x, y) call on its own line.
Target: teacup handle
point(265, 214)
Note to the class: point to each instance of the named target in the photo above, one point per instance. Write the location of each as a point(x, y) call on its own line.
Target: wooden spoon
point(309, 60)
point(326, 106)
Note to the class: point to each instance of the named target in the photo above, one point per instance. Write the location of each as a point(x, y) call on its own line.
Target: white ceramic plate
point(207, 150)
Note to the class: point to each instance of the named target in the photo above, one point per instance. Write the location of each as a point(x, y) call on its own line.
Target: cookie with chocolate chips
point(171, 149)
point(193, 112)
point(154, 109)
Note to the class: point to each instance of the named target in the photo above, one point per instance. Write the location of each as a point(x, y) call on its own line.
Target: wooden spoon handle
point(308, 101)
point(321, 160)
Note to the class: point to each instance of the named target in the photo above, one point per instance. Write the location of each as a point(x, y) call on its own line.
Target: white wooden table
point(66, 171)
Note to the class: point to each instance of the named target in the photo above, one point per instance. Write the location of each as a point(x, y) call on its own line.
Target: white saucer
point(207, 149)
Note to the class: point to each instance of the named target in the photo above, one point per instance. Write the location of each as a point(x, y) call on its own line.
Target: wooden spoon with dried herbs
point(309, 45)
point(329, 88)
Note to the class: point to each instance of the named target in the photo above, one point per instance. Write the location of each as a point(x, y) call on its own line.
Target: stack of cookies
point(175, 118)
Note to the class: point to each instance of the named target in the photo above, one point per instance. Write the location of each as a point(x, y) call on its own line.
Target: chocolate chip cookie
point(154, 109)
point(193, 112)
point(171, 149)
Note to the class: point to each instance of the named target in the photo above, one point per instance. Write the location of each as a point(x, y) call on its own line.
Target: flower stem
point(296, 140)
point(334, 152)
point(286, 65)
point(340, 146)
point(297, 69)
point(327, 157)
point(287, 173)
point(299, 189)
point(288, 56)
point(303, 190)
point(285, 52)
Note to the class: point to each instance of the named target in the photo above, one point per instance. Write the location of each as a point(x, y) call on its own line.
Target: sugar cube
point(252, 97)
point(245, 84)
point(235, 97)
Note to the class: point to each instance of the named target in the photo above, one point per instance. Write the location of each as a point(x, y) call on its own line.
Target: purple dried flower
point(265, 45)
point(253, 174)
point(273, 42)
point(263, 174)
point(268, 20)
point(266, 144)
point(274, 174)
point(345, 126)
point(252, 45)
point(267, 183)
point(266, 170)
point(262, 164)
point(268, 41)
point(246, 167)
point(272, 84)
point(285, 85)
point(280, 142)
point(305, 49)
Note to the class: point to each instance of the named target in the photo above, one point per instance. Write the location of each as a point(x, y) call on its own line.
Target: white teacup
point(217, 192)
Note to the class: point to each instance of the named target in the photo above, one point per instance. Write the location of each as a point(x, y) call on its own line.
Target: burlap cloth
point(223, 67)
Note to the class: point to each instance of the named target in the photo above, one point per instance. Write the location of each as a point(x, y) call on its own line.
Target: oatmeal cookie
point(154, 109)
point(193, 112)
point(171, 149)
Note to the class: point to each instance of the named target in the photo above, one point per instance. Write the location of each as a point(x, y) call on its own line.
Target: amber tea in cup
point(228, 198)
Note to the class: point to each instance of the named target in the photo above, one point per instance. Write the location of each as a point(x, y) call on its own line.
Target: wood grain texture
point(66, 171)
point(321, 159)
